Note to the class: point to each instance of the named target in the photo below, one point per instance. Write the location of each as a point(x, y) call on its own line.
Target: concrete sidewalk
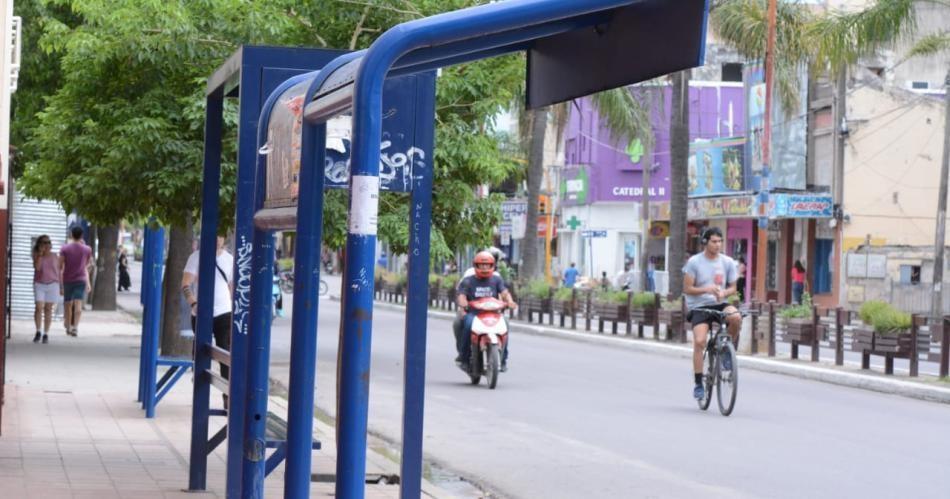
point(72, 427)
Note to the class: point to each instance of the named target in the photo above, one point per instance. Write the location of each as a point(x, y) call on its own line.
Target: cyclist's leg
point(733, 323)
point(700, 331)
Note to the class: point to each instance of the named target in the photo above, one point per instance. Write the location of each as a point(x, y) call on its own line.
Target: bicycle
point(719, 350)
point(287, 283)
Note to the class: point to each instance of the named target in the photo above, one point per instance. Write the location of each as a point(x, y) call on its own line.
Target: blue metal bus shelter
point(574, 49)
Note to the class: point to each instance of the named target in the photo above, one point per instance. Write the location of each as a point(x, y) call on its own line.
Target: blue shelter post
point(143, 299)
point(557, 33)
point(198, 469)
point(153, 316)
point(303, 339)
point(417, 304)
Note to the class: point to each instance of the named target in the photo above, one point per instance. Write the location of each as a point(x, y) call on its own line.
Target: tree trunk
point(645, 223)
point(179, 248)
point(529, 252)
point(104, 289)
point(679, 157)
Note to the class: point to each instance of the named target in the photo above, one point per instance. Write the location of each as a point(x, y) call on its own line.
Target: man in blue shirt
point(570, 276)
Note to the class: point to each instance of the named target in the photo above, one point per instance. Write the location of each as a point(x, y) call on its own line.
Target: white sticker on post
point(364, 205)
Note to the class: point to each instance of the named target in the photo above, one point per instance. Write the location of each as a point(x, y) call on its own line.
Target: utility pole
point(936, 307)
point(839, 117)
point(761, 254)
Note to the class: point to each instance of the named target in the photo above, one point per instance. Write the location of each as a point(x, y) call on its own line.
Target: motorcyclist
point(460, 316)
point(484, 283)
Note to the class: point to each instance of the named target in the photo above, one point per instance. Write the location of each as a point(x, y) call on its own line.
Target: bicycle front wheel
point(727, 379)
point(324, 289)
point(709, 372)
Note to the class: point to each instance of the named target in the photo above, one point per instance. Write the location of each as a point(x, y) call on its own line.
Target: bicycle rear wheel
point(709, 373)
point(727, 379)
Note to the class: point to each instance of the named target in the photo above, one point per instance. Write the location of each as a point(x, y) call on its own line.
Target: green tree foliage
point(121, 135)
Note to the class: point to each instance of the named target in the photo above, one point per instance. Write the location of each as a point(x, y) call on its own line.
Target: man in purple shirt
point(74, 261)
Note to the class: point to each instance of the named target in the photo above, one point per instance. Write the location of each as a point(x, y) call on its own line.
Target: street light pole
point(936, 307)
point(761, 254)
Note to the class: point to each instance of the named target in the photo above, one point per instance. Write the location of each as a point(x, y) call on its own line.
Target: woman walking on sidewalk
point(125, 281)
point(45, 286)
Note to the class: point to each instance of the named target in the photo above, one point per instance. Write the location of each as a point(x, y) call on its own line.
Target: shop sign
point(801, 206)
point(513, 213)
point(659, 230)
point(543, 226)
point(716, 166)
point(721, 207)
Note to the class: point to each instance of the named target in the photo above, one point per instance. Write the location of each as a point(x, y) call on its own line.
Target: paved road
point(575, 419)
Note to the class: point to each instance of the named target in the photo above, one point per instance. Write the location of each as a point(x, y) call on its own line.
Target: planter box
point(565, 307)
point(392, 289)
point(800, 330)
point(643, 315)
point(898, 343)
point(675, 321)
point(535, 304)
point(611, 311)
point(863, 339)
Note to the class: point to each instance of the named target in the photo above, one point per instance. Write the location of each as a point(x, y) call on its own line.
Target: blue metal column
point(143, 298)
point(417, 303)
point(258, 350)
point(154, 318)
point(357, 330)
point(303, 342)
point(258, 357)
point(198, 463)
point(249, 112)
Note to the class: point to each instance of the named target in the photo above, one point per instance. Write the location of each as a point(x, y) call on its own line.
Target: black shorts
point(698, 316)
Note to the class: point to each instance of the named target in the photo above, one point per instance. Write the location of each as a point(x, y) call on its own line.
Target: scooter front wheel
point(491, 371)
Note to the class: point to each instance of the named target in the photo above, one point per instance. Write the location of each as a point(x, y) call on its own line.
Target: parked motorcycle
point(489, 338)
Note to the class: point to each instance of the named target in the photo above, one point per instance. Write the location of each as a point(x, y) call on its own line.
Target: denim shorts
point(74, 290)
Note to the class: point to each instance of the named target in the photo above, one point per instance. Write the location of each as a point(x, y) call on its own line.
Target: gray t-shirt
point(720, 271)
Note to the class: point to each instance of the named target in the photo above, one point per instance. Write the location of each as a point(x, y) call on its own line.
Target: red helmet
point(481, 258)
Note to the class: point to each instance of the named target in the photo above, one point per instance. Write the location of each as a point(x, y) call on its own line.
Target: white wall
point(618, 219)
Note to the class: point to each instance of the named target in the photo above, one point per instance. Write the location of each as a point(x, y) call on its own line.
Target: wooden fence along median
point(834, 328)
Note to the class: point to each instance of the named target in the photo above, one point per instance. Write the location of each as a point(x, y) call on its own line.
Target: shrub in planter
point(642, 310)
point(645, 299)
point(798, 321)
point(887, 328)
point(450, 281)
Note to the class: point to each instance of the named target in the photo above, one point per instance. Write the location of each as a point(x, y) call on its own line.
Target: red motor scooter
point(489, 338)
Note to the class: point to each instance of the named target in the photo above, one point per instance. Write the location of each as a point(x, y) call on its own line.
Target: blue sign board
point(786, 205)
point(594, 233)
point(398, 149)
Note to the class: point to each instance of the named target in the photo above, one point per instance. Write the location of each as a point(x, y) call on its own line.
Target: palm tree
point(829, 42)
point(624, 114)
point(679, 159)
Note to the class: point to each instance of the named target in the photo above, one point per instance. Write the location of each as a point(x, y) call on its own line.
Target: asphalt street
point(577, 419)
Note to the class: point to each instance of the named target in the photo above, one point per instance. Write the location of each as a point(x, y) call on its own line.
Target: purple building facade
point(601, 168)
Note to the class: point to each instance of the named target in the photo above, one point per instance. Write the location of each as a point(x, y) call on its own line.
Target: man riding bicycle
point(708, 278)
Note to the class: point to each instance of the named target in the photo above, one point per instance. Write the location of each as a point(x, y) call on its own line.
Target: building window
point(910, 274)
point(771, 275)
point(919, 85)
point(732, 71)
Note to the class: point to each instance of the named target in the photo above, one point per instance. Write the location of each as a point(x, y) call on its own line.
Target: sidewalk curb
point(326, 433)
point(791, 368)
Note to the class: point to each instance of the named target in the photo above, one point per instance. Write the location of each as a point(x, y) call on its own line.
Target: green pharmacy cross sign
point(574, 223)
